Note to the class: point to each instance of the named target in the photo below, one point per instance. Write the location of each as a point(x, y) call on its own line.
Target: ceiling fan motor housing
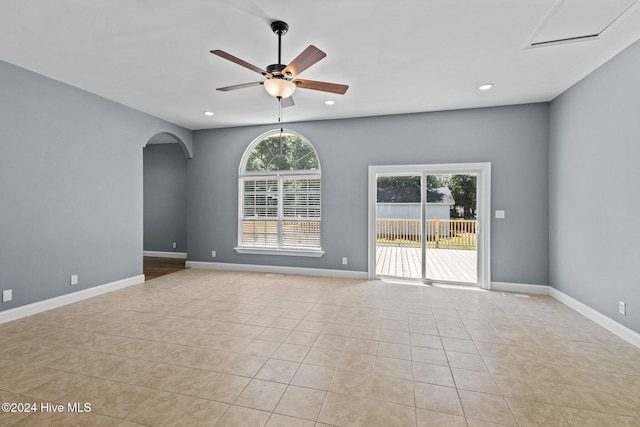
point(279, 27)
point(276, 70)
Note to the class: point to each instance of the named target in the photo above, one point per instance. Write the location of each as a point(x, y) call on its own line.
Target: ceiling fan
point(281, 79)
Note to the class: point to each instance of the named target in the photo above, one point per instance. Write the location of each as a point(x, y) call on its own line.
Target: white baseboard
point(38, 307)
point(608, 323)
point(522, 288)
point(322, 272)
point(49, 304)
point(177, 255)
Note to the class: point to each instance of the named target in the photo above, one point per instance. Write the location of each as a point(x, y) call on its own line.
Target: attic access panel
point(579, 20)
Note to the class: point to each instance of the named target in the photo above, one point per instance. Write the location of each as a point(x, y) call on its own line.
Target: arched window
point(279, 196)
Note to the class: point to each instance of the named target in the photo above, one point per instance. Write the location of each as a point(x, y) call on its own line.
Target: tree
point(433, 181)
point(463, 189)
point(399, 182)
point(398, 189)
point(437, 181)
point(282, 152)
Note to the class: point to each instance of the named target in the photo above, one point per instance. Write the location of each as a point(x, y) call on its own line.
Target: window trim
point(254, 250)
point(280, 175)
point(247, 153)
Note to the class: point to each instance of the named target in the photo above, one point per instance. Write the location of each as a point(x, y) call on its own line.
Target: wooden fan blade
point(322, 86)
point(306, 59)
point(241, 86)
point(287, 102)
point(238, 61)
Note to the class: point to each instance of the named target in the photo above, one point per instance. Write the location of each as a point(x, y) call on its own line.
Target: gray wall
point(70, 186)
point(165, 198)
point(594, 201)
point(514, 139)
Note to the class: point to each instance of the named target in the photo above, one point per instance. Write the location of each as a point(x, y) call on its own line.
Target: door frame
point(482, 170)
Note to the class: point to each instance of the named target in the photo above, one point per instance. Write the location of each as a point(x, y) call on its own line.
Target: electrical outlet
point(344, 260)
point(7, 295)
point(74, 279)
point(213, 254)
point(622, 308)
point(175, 245)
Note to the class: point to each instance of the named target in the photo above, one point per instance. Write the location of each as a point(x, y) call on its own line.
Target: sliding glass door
point(399, 226)
point(426, 222)
point(450, 224)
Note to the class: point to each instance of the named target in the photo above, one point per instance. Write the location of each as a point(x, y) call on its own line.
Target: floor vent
point(512, 294)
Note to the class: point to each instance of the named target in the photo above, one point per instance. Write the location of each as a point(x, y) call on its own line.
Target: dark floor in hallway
point(156, 267)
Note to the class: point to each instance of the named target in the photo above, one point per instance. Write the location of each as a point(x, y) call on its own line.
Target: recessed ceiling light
point(486, 86)
point(208, 113)
point(329, 102)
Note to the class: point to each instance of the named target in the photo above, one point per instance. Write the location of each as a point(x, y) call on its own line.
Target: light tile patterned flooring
point(217, 348)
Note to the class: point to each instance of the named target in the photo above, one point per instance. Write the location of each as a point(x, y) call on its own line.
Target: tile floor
point(217, 348)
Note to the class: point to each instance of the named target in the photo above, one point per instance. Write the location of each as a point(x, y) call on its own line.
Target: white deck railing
point(440, 233)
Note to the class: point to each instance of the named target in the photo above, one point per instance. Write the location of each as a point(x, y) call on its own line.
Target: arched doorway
point(164, 205)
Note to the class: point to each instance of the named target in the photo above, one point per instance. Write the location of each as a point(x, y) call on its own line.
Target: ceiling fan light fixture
point(279, 81)
point(279, 88)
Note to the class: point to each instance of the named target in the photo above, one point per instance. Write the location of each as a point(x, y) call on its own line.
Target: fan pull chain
point(280, 119)
point(280, 115)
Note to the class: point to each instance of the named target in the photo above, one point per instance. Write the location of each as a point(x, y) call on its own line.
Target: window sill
point(282, 252)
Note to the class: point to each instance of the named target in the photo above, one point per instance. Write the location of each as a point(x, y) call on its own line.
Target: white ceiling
point(400, 56)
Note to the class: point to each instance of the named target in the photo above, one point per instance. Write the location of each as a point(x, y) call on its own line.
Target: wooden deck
point(451, 265)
